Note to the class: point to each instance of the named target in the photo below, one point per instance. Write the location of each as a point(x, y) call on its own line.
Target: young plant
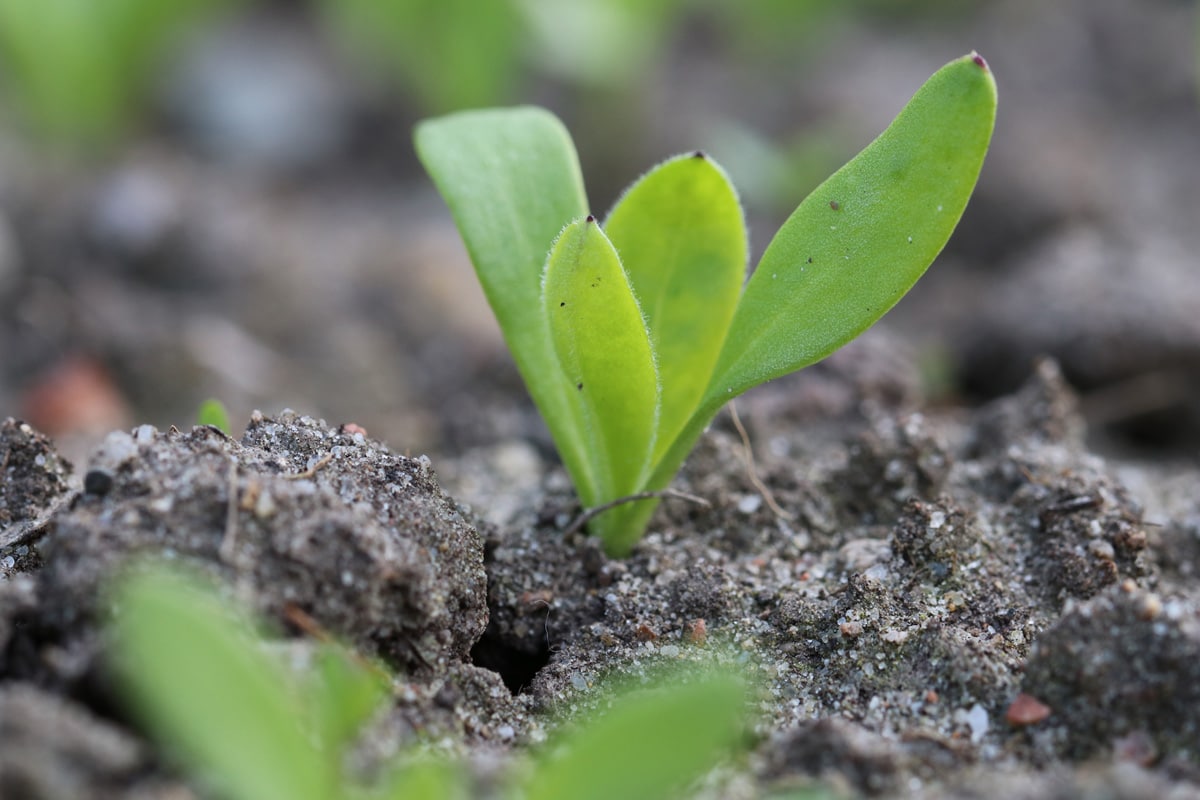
point(199, 677)
point(212, 412)
point(632, 334)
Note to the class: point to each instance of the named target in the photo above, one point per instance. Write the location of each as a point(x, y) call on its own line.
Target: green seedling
point(459, 53)
point(631, 334)
point(212, 412)
point(244, 723)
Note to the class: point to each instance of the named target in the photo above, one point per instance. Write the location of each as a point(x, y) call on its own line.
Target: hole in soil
point(516, 664)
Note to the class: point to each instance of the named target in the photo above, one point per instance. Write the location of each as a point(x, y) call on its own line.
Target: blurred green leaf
point(647, 744)
point(606, 42)
point(196, 674)
point(452, 54)
point(423, 779)
point(78, 67)
point(212, 412)
point(343, 692)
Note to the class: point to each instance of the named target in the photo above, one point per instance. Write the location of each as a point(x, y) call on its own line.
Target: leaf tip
point(590, 218)
point(699, 154)
point(979, 60)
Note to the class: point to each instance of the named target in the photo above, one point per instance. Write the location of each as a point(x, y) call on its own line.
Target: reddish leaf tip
point(699, 154)
point(591, 218)
point(978, 59)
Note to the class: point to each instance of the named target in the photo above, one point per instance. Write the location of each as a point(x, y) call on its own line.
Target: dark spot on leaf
point(560, 305)
point(699, 154)
point(579, 386)
point(835, 205)
point(810, 259)
point(590, 218)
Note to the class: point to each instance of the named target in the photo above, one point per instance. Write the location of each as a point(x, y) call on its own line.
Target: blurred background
point(219, 198)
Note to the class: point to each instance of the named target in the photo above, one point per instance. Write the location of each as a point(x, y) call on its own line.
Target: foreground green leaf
point(212, 412)
point(422, 779)
point(199, 679)
point(647, 744)
point(79, 68)
point(342, 692)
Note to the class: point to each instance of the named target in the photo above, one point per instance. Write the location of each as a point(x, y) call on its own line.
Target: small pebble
point(97, 482)
point(977, 721)
point(1026, 710)
point(749, 503)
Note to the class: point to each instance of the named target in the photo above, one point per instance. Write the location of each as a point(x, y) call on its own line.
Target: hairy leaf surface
point(864, 236)
point(511, 179)
point(604, 352)
point(681, 237)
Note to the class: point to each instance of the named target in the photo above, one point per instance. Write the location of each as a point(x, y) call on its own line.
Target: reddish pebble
point(350, 429)
point(931, 697)
point(851, 629)
point(78, 395)
point(1026, 710)
point(645, 633)
point(697, 631)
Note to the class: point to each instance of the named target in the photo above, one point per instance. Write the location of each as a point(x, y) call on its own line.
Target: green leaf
point(422, 779)
point(198, 677)
point(212, 412)
point(511, 179)
point(647, 744)
point(681, 237)
point(604, 351)
point(342, 693)
point(864, 236)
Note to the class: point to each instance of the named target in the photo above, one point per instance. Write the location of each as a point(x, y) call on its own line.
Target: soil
point(961, 562)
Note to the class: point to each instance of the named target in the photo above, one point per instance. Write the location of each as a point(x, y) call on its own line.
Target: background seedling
point(631, 334)
point(213, 412)
point(78, 68)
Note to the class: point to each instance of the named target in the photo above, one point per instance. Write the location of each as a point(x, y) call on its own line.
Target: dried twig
point(587, 516)
point(311, 471)
point(752, 469)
